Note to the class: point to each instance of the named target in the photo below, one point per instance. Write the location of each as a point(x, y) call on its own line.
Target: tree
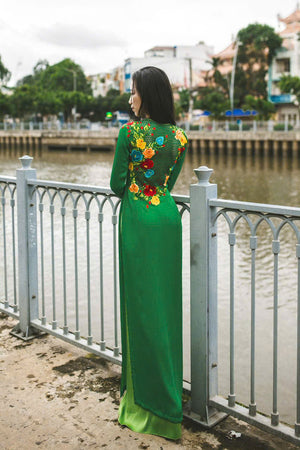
point(4, 73)
point(264, 108)
point(22, 101)
point(62, 77)
point(57, 88)
point(214, 101)
point(184, 99)
point(258, 45)
point(290, 85)
point(47, 103)
point(217, 78)
point(120, 103)
point(4, 105)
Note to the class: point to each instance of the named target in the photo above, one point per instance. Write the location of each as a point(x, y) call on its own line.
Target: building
point(101, 83)
point(286, 62)
point(185, 65)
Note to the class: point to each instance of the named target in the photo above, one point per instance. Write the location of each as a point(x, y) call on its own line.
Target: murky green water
point(261, 180)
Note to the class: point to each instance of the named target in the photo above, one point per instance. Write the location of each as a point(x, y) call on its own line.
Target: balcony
point(282, 98)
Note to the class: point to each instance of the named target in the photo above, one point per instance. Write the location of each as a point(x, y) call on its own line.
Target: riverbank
point(55, 395)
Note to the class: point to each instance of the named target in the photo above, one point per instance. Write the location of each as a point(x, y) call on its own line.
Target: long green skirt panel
point(139, 419)
point(151, 288)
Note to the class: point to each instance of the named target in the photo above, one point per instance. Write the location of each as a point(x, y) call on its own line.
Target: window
point(283, 65)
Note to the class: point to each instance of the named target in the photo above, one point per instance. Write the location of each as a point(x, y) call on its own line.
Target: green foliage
point(281, 127)
point(120, 103)
point(258, 45)
point(264, 108)
point(184, 101)
point(4, 106)
point(4, 73)
point(22, 101)
point(51, 89)
point(214, 101)
point(290, 85)
point(236, 127)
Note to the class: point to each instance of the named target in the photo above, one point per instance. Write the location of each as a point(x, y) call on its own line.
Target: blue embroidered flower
point(136, 156)
point(159, 140)
point(149, 173)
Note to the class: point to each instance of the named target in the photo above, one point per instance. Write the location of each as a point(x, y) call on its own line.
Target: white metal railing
point(234, 124)
point(63, 244)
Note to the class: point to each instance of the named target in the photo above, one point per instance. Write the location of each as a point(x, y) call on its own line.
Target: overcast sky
point(100, 34)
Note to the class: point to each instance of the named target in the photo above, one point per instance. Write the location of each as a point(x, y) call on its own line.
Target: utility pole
point(191, 102)
point(237, 43)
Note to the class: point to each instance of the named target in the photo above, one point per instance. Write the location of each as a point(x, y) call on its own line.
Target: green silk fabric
point(139, 419)
point(148, 160)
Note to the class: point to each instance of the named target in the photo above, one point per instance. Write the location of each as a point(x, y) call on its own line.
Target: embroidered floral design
point(142, 165)
point(136, 155)
point(149, 173)
point(148, 152)
point(134, 188)
point(155, 200)
point(181, 137)
point(140, 143)
point(160, 140)
point(148, 164)
point(149, 190)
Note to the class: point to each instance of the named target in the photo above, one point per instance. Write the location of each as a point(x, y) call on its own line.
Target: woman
point(149, 155)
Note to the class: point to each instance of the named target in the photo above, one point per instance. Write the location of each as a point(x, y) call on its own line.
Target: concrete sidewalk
point(56, 396)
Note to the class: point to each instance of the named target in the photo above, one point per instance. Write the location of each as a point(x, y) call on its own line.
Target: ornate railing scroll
point(275, 218)
point(75, 207)
point(8, 259)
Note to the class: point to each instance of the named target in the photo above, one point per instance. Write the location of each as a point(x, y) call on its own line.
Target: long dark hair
point(156, 94)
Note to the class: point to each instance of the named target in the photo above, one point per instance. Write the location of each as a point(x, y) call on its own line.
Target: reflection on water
point(254, 179)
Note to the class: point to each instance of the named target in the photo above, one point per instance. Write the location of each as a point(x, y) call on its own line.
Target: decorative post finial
point(26, 161)
point(203, 174)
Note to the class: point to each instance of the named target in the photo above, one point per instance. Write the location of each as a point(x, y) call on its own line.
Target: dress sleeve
point(177, 168)
point(120, 165)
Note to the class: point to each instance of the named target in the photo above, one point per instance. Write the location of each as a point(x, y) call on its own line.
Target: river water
point(255, 179)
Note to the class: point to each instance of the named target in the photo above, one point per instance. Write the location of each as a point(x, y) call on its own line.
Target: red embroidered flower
point(130, 123)
point(148, 164)
point(149, 190)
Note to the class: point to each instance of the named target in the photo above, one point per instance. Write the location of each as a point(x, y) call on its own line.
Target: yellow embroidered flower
point(140, 143)
point(148, 152)
point(155, 200)
point(166, 180)
point(134, 188)
point(181, 137)
point(130, 166)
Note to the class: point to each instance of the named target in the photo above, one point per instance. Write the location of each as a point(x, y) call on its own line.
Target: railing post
point(204, 331)
point(27, 251)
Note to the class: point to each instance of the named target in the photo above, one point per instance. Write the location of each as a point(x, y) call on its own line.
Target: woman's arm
point(120, 166)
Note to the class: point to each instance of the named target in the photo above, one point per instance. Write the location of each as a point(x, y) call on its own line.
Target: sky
point(99, 35)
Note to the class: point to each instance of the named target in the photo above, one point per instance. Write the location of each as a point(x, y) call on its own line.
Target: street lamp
point(231, 92)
